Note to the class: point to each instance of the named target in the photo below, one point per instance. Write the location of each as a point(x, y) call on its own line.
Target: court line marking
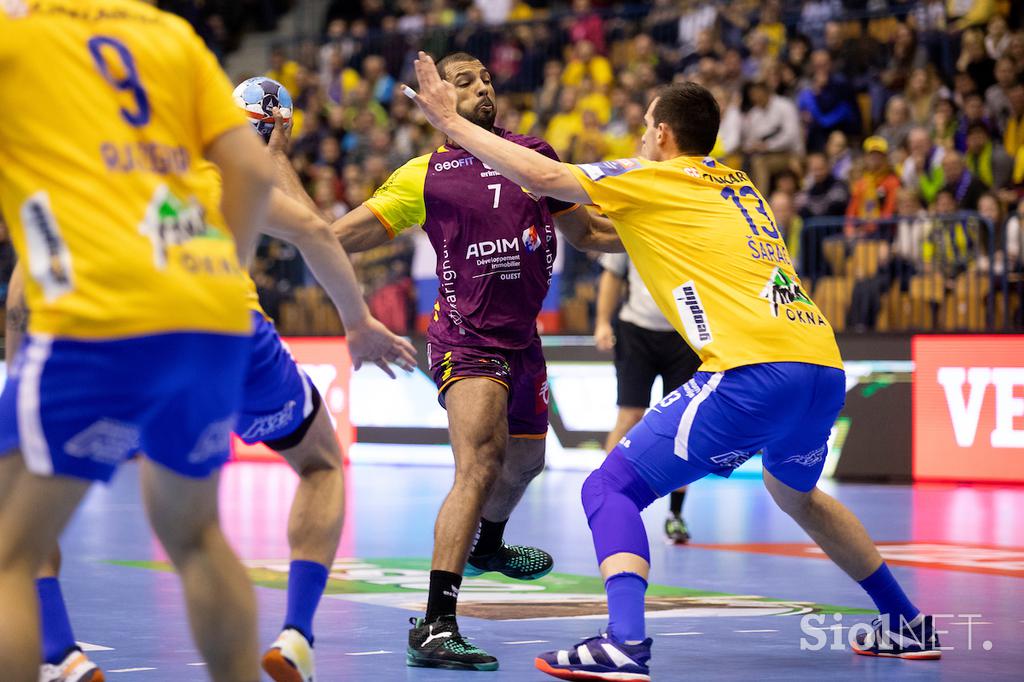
point(129, 670)
point(367, 653)
point(529, 641)
point(197, 664)
point(86, 646)
point(755, 630)
point(976, 622)
point(677, 634)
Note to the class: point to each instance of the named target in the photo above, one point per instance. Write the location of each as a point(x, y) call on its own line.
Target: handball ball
point(257, 97)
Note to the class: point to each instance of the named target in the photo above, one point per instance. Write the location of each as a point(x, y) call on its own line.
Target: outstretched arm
point(368, 339)
point(531, 170)
point(589, 232)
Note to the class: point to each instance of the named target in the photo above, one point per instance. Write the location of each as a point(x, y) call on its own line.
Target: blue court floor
point(749, 600)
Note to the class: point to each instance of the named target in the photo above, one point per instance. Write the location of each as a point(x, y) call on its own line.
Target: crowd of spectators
point(883, 114)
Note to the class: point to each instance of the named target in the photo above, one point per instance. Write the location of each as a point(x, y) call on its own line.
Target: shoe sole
point(415, 661)
point(473, 571)
point(561, 674)
point(280, 668)
point(930, 655)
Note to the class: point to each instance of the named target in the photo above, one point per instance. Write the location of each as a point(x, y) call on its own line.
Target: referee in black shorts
point(646, 346)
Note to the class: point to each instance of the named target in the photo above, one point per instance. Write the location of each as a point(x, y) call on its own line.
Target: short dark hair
point(453, 58)
point(692, 113)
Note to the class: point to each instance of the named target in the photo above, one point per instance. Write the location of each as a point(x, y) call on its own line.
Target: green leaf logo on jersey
point(782, 290)
point(170, 222)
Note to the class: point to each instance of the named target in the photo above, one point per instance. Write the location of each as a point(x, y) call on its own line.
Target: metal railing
point(921, 273)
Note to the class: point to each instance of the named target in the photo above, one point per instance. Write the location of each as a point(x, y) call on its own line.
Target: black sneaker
point(439, 645)
point(916, 640)
point(676, 530)
point(515, 561)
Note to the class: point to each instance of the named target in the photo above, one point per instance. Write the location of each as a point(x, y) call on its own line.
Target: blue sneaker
point(916, 640)
point(599, 658)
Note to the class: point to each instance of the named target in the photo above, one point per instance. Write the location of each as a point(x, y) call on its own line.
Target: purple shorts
point(522, 372)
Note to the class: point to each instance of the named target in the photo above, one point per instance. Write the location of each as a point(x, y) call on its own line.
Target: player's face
point(475, 92)
point(653, 135)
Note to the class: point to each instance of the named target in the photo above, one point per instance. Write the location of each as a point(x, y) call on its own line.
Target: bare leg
point(627, 418)
point(524, 460)
point(27, 537)
point(478, 423)
point(317, 513)
point(834, 527)
point(221, 603)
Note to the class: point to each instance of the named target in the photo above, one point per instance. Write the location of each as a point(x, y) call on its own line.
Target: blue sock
point(306, 583)
point(58, 639)
point(626, 607)
point(889, 597)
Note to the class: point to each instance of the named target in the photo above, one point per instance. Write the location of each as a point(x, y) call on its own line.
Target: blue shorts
point(80, 408)
point(278, 397)
point(716, 422)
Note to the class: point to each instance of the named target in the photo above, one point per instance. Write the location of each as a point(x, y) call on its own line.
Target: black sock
point(489, 540)
point(675, 502)
point(444, 595)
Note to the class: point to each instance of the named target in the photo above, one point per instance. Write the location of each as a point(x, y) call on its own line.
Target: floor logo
point(403, 584)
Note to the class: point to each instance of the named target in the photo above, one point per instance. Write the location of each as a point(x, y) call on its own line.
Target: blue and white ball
point(257, 97)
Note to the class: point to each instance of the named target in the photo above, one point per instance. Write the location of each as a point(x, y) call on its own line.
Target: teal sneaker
point(440, 645)
point(515, 561)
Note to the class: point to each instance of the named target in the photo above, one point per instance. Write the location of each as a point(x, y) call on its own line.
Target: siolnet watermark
point(823, 630)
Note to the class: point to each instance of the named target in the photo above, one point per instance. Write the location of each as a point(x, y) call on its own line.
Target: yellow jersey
point(99, 182)
point(707, 246)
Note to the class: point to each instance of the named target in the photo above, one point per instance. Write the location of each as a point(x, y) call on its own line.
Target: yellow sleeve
point(216, 113)
point(601, 71)
point(615, 187)
point(398, 203)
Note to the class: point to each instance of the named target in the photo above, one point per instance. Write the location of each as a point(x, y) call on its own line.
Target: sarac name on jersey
point(763, 250)
point(146, 157)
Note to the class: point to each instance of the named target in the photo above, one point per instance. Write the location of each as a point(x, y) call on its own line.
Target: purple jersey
point(495, 243)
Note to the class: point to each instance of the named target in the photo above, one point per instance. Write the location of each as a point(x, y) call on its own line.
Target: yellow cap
point(876, 144)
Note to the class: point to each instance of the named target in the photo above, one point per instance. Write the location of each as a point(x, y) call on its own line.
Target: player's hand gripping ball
point(257, 97)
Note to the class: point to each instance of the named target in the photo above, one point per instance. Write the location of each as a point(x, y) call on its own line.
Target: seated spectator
point(283, 70)
point(824, 194)
point(1013, 139)
point(379, 81)
point(897, 123)
point(788, 220)
point(997, 37)
point(922, 169)
point(839, 155)
point(952, 238)
point(974, 59)
point(973, 113)
point(587, 26)
point(992, 240)
point(770, 135)
point(904, 260)
point(964, 187)
point(565, 124)
point(874, 193)
point(987, 160)
point(827, 104)
point(997, 98)
point(705, 49)
point(696, 16)
point(586, 62)
point(922, 93)
point(944, 123)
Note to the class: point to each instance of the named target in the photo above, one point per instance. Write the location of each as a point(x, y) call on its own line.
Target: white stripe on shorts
point(34, 448)
point(682, 446)
point(307, 392)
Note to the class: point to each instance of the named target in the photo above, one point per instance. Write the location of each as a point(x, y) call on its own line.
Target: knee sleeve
point(613, 497)
point(527, 465)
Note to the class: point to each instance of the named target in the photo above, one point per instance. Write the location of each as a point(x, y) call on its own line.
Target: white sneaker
point(75, 667)
point(290, 658)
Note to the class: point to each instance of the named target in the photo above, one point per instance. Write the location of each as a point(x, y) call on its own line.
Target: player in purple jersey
point(495, 248)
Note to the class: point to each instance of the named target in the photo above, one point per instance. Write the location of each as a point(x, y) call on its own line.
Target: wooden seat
point(834, 251)
point(832, 295)
point(864, 260)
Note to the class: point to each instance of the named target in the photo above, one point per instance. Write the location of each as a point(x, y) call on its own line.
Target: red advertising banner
point(968, 408)
point(327, 362)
